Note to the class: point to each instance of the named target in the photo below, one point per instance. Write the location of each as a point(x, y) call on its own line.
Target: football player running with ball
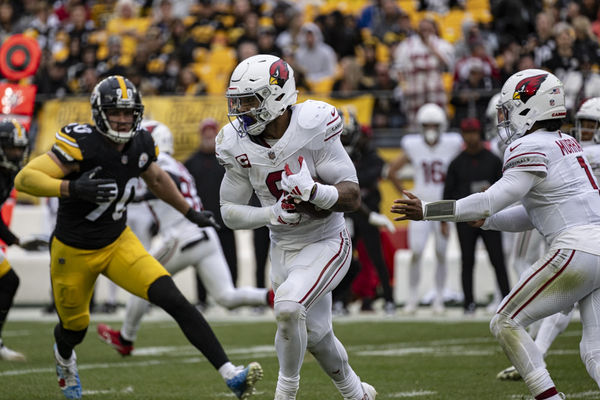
point(291, 156)
point(93, 170)
point(548, 171)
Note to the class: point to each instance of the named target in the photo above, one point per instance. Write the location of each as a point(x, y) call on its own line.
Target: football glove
point(34, 243)
point(381, 220)
point(87, 188)
point(299, 185)
point(284, 212)
point(202, 218)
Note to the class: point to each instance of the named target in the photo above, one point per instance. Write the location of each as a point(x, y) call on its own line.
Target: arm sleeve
point(509, 189)
point(40, 177)
point(512, 219)
point(235, 193)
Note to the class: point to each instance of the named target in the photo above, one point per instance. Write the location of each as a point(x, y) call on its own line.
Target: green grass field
point(402, 359)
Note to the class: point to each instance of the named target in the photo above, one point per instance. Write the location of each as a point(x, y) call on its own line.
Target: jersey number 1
point(585, 167)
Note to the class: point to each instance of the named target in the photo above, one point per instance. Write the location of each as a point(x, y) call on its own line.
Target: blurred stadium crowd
point(405, 53)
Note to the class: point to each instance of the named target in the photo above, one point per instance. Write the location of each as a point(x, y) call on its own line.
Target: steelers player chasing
point(93, 170)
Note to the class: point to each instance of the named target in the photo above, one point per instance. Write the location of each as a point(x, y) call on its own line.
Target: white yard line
point(414, 393)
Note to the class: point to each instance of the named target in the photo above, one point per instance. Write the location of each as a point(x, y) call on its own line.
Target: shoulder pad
point(225, 141)
point(315, 113)
point(66, 141)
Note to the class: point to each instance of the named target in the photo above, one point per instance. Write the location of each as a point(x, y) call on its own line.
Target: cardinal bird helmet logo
point(528, 87)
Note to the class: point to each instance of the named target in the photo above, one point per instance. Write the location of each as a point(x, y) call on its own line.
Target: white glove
point(284, 212)
point(299, 185)
point(377, 219)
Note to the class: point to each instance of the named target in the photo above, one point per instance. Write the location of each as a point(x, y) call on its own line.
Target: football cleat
point(389, 308)
point(509, 374)
point(369, 392)
point(113, 338)
point(242, 385)
point(68, 377)
point(10, 355)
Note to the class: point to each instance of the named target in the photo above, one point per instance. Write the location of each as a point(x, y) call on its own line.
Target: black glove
point(93, 190)
point(202, 218)
point(35, 244)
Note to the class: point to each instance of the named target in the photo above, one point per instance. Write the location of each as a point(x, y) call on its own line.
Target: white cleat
point(10, 355)
point(370, 392)
point(410, 309)
point(509, 374)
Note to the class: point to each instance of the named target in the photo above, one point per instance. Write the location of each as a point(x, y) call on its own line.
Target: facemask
point(431, 135)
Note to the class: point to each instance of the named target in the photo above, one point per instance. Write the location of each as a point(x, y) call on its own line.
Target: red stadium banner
point(17, 101)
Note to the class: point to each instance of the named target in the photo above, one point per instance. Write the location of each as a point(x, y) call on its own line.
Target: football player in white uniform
point(430, 152)
point(548, 171)
point(179, 243)
point(291, 156)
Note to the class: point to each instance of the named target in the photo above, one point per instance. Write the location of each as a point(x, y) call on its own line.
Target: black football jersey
point(88, 225)
point(7, 182)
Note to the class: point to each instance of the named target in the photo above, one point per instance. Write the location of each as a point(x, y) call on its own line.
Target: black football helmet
point(14, 144)
point(116, 92)
point(351, 132)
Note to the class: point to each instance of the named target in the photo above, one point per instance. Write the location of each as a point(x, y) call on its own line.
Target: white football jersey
point(592, 153)
point(313, 133)
point(430, 163)
point(170, 221)
point(568, 197)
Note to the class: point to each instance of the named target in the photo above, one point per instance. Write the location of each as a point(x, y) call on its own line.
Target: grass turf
point(402, 359)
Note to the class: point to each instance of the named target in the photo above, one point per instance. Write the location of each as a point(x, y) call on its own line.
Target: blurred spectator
point(439, 6)
point(246, 49)
point(114, 63)
point(43, 26)
point(479, 56)
point(51, 80)
point(472, 171)
point(340, 32)
point(266, 41)
point(420, 61)
point(470, 96)
point(471, 34)
point(585, 41)
point(509, 59)
point(316, 58)
point(126, 23)
point(189, 84)
point(351, 81)
point(588, 9)
point(513, 19)
point(289, 39)
point(541, 42)
point(387, 106)
point(248, 30)
point(78, 26)
point(8, 20)
point(580, 85)
point(563, 59)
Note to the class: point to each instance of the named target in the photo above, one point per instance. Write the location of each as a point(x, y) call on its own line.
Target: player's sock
point(165, 294)
point(228, 370)
point(540, 384)
point(8, 287)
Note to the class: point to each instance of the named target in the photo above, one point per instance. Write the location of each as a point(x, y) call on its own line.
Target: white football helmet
point(161, 134)
point(261, 88)
point(589, 110)
point(529, 96)
point(431, 114)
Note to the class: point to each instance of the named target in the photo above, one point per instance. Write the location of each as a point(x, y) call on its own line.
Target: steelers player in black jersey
point(93, 170)
point(13, 150)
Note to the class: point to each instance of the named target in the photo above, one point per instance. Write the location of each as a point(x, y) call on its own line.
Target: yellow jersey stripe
point(68, 148)
point(67, 139)
point(123, 87)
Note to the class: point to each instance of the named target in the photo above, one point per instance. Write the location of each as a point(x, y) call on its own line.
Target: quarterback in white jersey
point(180, 243)
point(549, 172)
point(429, 152)
point(291, 156)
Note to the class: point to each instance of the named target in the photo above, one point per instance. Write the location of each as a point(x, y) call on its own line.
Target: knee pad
point(500, 322)
point(287, 312)
point(9, 283)
point(67, 336)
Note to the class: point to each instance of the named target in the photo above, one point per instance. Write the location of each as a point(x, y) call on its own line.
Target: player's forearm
point(41, 177)
point(238, 216)
point(513, 219)
point(165, 189)
point(348, 197)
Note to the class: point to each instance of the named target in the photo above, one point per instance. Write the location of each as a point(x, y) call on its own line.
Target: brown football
point(305, 207)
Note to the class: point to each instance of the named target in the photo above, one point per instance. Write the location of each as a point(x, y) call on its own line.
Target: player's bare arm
point(163, 187)
point(396, 166)
point(348, 197)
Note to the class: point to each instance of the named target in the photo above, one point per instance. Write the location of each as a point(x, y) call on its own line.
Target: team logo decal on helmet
point(279, 73)
point(528, 87)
